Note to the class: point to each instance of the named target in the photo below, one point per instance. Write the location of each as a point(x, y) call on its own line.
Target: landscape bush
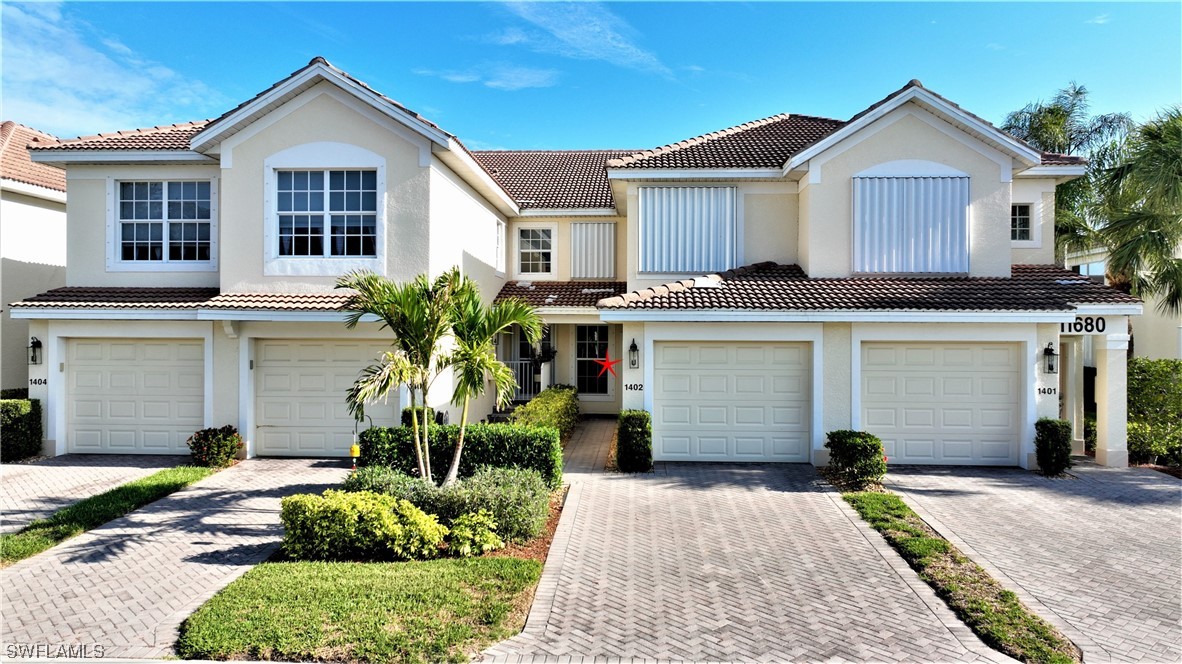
point(15, 393)
point(1147, 443)
point(856, 456)
point(20, 424)
point(518, 500)
point(634, 441)
point(497, 445)
point(423, 411)
point(363, 525)
point(1052, 446)
point(1155, 399)
point(473, 533)
point(556, 406)
point(1090, 433)
point(215, 447)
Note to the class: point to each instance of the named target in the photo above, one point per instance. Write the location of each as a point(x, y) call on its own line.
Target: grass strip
point(94, 511)
point(992, 612)
point(424, 611)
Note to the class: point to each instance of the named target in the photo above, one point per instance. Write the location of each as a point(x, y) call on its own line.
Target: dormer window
point(327, 213)
point(167, 225)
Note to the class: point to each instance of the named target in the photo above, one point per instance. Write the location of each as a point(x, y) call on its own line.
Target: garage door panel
point(713, 446)
point(951, 403)
point(708, 415)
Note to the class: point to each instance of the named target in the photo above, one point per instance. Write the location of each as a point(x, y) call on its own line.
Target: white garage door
point(731, 401)
point(300, 391)
point(141, 396)
point(943, 403)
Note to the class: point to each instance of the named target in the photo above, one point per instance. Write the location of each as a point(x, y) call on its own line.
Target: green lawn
point(992, 612)
point(95, 511)
point(428, 611)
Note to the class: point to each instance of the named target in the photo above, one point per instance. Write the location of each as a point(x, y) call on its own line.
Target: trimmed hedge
point(1155, 400)
point(1052, 445)
point(1147, 443)
point(20, 424)
point(857, 456)
point(497, 445)
point(215, 447)
point(634, 441)
point(556, 406)
point(517, 500)
point(406, 412)
point(340, 525)
point(15, 393)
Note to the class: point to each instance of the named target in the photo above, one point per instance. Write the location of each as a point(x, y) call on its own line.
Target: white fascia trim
point(1109, 309)
point(119, 157)
point(104, 314)
point(1053, 171)
point(503, 202)
point(264, 315)
point(742, 316)
point(44, 193)
point(694, 173)
point(210, 134)
point(566, 311)
point(836, 137)
point(569, 212)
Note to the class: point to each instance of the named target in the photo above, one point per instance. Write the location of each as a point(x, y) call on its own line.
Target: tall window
point(1020, 222)
point(500, 259)
point(590, 345)
point(327, 213)
point(165, 221)
point(535, 250)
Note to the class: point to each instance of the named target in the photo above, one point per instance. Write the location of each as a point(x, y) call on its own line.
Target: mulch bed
point(1173, 471)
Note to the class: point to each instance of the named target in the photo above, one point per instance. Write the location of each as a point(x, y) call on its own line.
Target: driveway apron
point(124, 588)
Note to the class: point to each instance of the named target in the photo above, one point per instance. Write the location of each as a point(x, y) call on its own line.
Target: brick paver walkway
point(31, 491)
point(128, 585)
point(725, 562)
point(1102, 553)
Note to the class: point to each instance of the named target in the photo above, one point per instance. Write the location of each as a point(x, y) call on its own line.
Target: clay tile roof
point(766, 143)
point(769, 286)
point(561, 293)
point(15, 164)
point(165, 137)
point(1056, 159)
point(331, 301)
point(78, 297)
point(552, 178)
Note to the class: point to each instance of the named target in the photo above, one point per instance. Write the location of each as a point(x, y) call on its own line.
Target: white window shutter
point(593, 250)
point(911, 225)
point(688, 229)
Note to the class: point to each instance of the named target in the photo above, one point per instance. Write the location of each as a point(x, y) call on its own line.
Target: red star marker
point(607, 364)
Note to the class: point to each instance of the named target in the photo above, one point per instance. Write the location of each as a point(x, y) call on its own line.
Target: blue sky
point(586, 75)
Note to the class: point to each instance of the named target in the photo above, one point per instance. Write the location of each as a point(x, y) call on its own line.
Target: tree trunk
point(426, 436)
point(454, 470)
point(414, 428)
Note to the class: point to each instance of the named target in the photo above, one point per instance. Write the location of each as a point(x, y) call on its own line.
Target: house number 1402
point(634, 387)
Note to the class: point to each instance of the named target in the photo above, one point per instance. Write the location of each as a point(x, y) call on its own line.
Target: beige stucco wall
point(1157, 335)
point(562, 244)
point(902, 134)
point(1040, 194)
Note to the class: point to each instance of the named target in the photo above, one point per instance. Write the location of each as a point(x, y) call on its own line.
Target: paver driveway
point(126, 587)
point(1102, 552)
point(726, 562)
point(31, 491)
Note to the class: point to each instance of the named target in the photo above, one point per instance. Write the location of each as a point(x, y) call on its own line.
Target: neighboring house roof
point(770, 286)
point(15, 164)
point(80, 297)
point(162, 138)
point(561, 293)
point(565, 179)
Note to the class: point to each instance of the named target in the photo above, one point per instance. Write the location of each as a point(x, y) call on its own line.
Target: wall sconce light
point(1050, 359)
point(34, 350)
point(633, 356)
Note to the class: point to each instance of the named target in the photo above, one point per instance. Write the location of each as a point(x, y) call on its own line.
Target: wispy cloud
point(61, 76)
point(497, 76)
point(584, 31)
point(1100, 19)
point(994, 46)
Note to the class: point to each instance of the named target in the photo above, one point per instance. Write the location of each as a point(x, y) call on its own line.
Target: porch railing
point(527, 384)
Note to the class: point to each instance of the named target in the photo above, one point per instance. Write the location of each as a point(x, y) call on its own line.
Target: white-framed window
point(1022, 223)
point(162, 225)
point(591, 344)
point(325, 210)
point(911, 225)
point(500, 259)
point(535, 251)
point(689, 229)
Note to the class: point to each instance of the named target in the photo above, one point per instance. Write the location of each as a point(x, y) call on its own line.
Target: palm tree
point(418, 313)
point(1141, 200)
point(475, 328)
point(1063, 126)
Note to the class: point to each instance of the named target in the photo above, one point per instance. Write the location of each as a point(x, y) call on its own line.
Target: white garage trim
point(1024, 335)
point(55, 358)
point(813, 333)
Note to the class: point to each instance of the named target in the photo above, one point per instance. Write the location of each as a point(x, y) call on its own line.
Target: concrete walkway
point(34, 490)
point(724, 562)
point(124, 588)
point(1099, 554)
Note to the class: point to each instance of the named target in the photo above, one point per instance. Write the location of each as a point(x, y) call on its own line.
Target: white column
point(1072, 364)
point(1111, 400)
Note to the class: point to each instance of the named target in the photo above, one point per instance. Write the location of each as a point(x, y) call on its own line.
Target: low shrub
point(856, 456)
point(1090, 433)
point(1146, 443)
point(363, 525)
point(518, 500)
point(1155, 391)
point(215, 447)
point(497, 445)
point(423, 411)
point(1052, 445)
point(20, 421)
point(473, 533)
point(15, 393)
point(556, 406)
point(634, 441)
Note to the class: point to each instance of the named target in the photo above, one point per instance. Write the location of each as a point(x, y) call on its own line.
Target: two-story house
point(762, 284)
